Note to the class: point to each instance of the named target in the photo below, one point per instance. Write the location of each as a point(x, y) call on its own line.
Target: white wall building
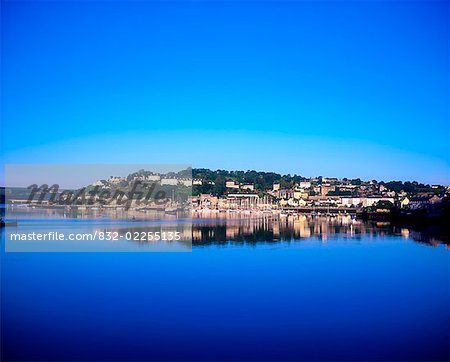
point(305, 184)
point(249, 187)
point(101, 183)
point(364, 201)
point(153, 178)
point(116, 179)
point(169, 181)
point(186, 182)
point(232, 185)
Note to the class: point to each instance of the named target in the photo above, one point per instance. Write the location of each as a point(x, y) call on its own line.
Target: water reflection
point(231, 229)
point(91, 229)
point(303, 227)
point(24, 212)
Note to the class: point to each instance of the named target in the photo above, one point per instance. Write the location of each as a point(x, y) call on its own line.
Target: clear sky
point(70, 176)
point(335, 88)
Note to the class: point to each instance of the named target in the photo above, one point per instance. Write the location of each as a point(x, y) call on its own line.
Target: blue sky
point(346, 89)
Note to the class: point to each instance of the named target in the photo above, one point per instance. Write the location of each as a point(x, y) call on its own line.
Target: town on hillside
point(247, 192)
point(251, 190)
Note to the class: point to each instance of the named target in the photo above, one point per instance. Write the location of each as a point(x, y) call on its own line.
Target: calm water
point(292, 289)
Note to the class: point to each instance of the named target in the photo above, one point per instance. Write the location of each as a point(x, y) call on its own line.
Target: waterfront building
point(243, 200)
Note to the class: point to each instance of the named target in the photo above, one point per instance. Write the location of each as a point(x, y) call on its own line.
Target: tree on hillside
point(219, 186)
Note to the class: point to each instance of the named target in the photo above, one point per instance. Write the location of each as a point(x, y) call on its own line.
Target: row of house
point(254, 200)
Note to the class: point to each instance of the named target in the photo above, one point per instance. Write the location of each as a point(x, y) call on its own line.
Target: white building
point(101, 183)
point(232, 184)
point(116, 179)
point(364, 201)
point(186, 182)
point(329, 179)
point(249, 187)
point(351, 201)
point(169, 181)
point(243, 200)
point(153, 178)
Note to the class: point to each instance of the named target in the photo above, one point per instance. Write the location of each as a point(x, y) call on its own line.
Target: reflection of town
point(298, 227)
point(130, 225)
point(236, 227)
point(27, 212)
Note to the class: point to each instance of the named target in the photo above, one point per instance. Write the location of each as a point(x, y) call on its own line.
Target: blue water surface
point(375, 298)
